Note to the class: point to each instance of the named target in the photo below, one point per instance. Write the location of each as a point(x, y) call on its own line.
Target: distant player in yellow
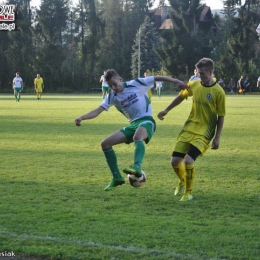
point(204, 123)
point(38, 86)
point(150, 92)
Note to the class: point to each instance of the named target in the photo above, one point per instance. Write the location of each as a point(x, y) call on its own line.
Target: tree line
point(71, 46)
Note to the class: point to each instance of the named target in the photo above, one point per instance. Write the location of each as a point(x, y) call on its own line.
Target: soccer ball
point(137, 182)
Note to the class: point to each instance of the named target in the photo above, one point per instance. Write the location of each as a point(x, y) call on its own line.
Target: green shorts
point(147, 122)
point(19, 90)
point(105, 88)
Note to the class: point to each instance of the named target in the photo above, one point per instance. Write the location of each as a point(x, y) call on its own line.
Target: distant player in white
point(196, 76)
point(105, 87)
point(158, 88)
point(17, 86)
point(131, 99)
point(258, 83)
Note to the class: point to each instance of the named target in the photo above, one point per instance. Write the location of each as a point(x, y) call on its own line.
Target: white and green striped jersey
point(17, 82)
point(133, 101)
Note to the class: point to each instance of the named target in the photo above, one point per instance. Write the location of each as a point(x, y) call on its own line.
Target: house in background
point(161, 17)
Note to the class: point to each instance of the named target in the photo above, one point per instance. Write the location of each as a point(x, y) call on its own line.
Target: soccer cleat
point(180, 188)
point(186, 197)
point(137, 171)
point(114, 183)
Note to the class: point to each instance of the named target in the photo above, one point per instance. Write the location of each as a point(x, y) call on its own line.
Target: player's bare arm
point(92, 114)
point(216, 140)
point(179, 83)
point(174, 103)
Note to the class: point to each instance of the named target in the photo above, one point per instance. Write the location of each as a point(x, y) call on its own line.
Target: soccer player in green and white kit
point(131, 99)
point(105, 87)
point(17, 86)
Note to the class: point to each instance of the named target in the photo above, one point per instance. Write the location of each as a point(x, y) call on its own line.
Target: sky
point(213, 4)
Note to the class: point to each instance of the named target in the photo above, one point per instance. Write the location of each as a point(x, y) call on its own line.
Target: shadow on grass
point(73, 215)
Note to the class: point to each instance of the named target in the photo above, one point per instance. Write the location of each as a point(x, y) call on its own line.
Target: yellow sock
point(180, 172)
point(190, 175)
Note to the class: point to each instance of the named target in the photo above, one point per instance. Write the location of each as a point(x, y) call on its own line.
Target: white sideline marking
point(99, 245)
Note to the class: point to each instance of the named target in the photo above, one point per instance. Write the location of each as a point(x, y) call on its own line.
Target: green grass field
point(53, 173)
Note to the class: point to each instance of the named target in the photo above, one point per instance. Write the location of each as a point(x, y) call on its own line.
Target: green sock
point(112, 162)
point(139, 153)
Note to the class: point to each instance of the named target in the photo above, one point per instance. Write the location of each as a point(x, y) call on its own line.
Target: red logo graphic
point(7, 13)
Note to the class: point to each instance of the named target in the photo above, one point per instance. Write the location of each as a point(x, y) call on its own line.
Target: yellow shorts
point(38, 89)
point(185, 139)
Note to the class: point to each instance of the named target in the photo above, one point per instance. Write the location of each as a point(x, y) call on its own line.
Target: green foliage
point(18, 53)
point(71, 46)
point(188, 41)
point(238, 51)
point(147, 39)
point(122, 19)
point(53, 174)
point(4, 69)
point(50, 24)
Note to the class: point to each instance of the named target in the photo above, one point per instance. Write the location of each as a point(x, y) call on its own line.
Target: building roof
point(167, 24)
point(206, 14)
point(161, 17)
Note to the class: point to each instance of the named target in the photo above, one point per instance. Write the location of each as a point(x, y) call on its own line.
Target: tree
point(19, 52)
point(122, 18)
point(238, 50)
point(86, 31)
point(145, 42)
point(190, 39)
point(229, 10)
point(5, 74)
point(50, 24)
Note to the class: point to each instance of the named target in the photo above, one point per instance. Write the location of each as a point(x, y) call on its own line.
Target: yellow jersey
point(150, 93)
point(208, 103)
point(38, 82)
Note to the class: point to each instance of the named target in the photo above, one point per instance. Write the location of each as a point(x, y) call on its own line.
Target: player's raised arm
point(179, 83)
point(92, 114)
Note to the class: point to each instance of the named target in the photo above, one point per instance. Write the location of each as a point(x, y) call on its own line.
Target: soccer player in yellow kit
point(204, 123)
point(38, 86)
point(149, 91)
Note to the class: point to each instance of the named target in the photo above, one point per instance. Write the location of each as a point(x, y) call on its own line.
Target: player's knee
point(138, 138)
point(188, 160)
point(176, 161)
point(105, 144)
point(140, 135)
